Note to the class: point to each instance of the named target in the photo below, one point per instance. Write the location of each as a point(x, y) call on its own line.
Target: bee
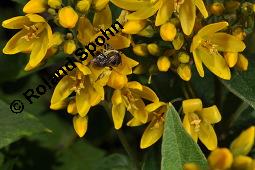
point(107, 58)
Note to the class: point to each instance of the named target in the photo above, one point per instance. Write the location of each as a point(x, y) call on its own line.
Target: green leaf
point(178, 147)
point(152, 159)
point(14, 126)
point(114, 162)
point(21, 2)
point(242, 84)
point(80, 156)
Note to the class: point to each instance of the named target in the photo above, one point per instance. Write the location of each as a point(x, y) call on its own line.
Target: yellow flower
point(207, 44)
point(155, 129)
point(34, 37)
point(69, 46)
point(83, 5)
point(243, 144)
point(220, 158)
point(99, 4)
point(153, 49)
point(35, 6)
point(140, 50)
point(102, 20)
point(134, 26)
point(85, 82)
point(242, 62)
point(168, 31)
point(198, 122)
point(67, 17)
point(164, 9)
point(117, 81)
point(184, 71)
point(130, 98)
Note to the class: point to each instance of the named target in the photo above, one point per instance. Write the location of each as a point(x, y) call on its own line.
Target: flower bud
point(242, 145)
point(69, 47)
point(55, 3)
point(183, 58)
point(232, 5)
point(71, 108)
point(67, 17)
point(184, 71)
point(140, 69)
point(52, 11)
point(220, 158)
point(83, 5)
point(242, 62)
point(134, 26)
point(192, 105)
point(231, 58)
point(242, 163)
point(178, 41)
point(59, 105)
point(100, 4)
point(163, 63)
point(153, 49)
point(117, 81)
point(80, 125)
point(140, 49)
point(35, 6)
point(168, 31)
point(239, 33)
point(217, 8)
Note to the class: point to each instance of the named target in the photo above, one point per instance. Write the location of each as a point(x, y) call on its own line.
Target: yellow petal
point(134, 122)
point(147, 94)
point(59, 105)
point(191, 105)
point(126, 65)
point(130, 5)
point(39, 50)
point(82, 102)
point(35, 18)
point(72, 108)
point(201, 6)
point(211, 114)
point(62, 90)
point(220, 158)
point(187, 16)
point(117, 81)
point(152, 133)
point(242, 62)
point(154, 106)
point(100, 4)
point(189, 129)
point(17, 44)
point(215, 63)
point(207, 136)
point(243, 163)
point(145, 12)
point(140, 114)
point(243, 144)
point(119, 42)
point(84, 69)
point(103, 18)
point(16, 22)
point(212, 28)
point(231, 58)
point(96, 95)
point(135, 85)
point(85, 30)
point(35, 6)
point(80, 125)
point(116, 97)
point(226, 42)
point(165, 12)
point(118, 113)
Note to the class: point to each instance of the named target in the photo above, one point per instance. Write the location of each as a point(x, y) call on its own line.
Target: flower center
point(129, 100)
point(79, 82)
point(195, 122)
point(32, 31)
point(210, 46)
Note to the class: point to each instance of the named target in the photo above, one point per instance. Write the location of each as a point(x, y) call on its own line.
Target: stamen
point(196, 122)
point(210, 46)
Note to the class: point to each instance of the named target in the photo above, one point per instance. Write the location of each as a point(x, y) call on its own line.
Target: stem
point(218, 93)
point(243, 106)
point(130, 151)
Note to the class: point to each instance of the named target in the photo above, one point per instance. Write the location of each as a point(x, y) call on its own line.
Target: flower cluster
point(193, 39)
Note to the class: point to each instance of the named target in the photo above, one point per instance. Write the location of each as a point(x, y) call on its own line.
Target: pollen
point(210, 46)
point(32, 32)
point(196, 123)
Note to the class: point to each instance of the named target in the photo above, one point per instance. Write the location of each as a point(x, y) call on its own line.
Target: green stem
point(242, 107)
point(130, 151)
